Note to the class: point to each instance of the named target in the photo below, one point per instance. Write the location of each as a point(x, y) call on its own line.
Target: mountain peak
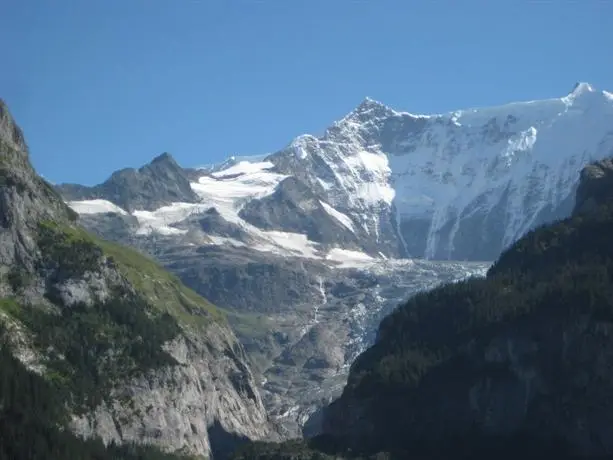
point(581, 88)
point(369, 104)
point(160, 182)
point(369, 108)
point(164, 158)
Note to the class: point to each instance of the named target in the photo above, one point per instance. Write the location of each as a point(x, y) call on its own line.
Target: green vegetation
point(67, 251)
point(31, 412)
point(90, 348)
point(87, 349)
point(71, 250)
point(297, 450)
point(86, 346)
point(164, 290)
point(291, 450)
point(18, 278)
point(249, 325)
point(10, 307)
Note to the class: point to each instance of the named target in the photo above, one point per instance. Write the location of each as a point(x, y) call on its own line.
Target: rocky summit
point(124, 353)
point(308, 248)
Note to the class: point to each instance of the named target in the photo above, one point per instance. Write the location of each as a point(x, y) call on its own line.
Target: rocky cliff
point(596, 186)
point(136, 355)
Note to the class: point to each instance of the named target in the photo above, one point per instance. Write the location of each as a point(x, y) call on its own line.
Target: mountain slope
point(436, 182)
point(522, 353)
point(316, 235)
point(516, 364)
point(299, 306)
point(135, 355)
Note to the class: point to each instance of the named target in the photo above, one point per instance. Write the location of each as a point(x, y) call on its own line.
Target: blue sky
point(99, 85)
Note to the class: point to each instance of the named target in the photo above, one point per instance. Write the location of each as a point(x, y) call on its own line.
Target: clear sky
point(99, 85)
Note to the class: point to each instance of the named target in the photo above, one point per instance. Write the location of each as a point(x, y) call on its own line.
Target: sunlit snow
point(95, 207)
point(342, 218)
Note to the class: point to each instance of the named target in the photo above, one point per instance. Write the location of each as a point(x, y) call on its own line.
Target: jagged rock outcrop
point(9, 131)
point(293, 207)
point(143, 358)
point(596, 186)
point(159, 183)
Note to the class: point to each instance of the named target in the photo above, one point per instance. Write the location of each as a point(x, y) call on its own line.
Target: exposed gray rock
point(302, 321)
point(294, 207)
point(175, 408)
point(252, 282)
point(596, 185)
point(319, 164)
point(113, 226)
point(9, 131)
point(160, 183)
point(212, 223)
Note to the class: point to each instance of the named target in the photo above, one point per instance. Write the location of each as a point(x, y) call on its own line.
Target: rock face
point(188, 407)
point(596, 186)
point(523, 354)
point(302, 321)
point(294, 208)
point(160, 183)
point(188, 389)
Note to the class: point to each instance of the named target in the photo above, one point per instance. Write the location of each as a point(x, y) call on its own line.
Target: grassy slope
point(162, 290)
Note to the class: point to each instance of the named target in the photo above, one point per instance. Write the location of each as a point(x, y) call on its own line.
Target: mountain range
point(311, 246)
point(457, 186)
point(303, 257)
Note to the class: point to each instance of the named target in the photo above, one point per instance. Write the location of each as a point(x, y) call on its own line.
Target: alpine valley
point(308, 248)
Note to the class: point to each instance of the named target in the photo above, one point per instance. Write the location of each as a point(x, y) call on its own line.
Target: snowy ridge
point(460, 185)
point(532, 150)
point(451, 176)
point(231, 161)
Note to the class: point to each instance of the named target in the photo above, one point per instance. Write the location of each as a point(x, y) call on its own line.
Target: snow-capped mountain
point(307, 248)
point(461, 185)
